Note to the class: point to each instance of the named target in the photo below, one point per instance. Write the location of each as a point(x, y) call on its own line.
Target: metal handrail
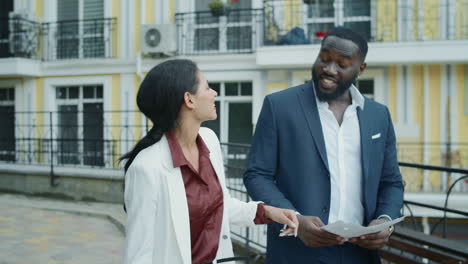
point(407, 203)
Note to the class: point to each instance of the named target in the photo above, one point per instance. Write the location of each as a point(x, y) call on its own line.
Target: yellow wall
point(386, 20)
point(434, 122)
point(415, 19)
point(392, 75)
point(172, 11)
point(292, 9)
point(115, 34)
point(462, 123)
point(39, 132)
point(149, 12)
point(39, 8)
point(418, 98)
point(137, 25)
point(276, 86)
point(137, 117)
point(115, 116)
point(461, 20)
point(431, 19)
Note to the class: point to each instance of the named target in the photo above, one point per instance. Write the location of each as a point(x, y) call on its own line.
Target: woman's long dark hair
point(160, 97)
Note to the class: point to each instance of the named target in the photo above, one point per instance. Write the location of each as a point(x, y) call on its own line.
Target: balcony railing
point(443, 154)
point(293, 22)
point(19, 37)
point(409, 243)
point(238, 31)
point(73, 39)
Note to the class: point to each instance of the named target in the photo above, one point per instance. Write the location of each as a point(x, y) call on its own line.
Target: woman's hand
point(283, 216)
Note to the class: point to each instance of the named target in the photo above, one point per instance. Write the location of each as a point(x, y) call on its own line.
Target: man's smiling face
point(336, 68)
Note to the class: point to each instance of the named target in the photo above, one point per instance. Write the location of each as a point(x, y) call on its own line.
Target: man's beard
point(341, 88)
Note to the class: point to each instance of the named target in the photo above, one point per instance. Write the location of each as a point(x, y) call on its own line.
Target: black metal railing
point(237, 31)
point(69, 138)
point(443, 154)
point(254, 239)
point(289, 22)
point(412, 243)
point(19, 37)
point(73, 39)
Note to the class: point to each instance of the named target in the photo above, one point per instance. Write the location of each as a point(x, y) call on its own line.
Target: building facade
point(70, 70)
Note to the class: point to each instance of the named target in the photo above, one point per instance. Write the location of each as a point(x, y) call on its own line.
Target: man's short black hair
point(346, 33)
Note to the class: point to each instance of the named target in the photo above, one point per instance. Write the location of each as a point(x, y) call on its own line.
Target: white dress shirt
point(343, 147)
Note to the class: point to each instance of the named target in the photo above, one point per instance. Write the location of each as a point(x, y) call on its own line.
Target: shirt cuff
point(260, 217)
point(384, 216)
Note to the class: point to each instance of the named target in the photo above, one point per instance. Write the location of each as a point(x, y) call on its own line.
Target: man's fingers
point(371, 244)
point(374, 236)
point(324, 238)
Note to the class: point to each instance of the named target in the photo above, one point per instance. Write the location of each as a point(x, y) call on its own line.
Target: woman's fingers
point(289, 218)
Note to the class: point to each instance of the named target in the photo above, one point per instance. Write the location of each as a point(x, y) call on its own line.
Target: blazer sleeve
point(259, 178)
point(141, 207)
point(390, 195)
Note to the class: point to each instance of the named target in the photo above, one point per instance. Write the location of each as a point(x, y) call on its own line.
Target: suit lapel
point(178, 202)
point(309, 106)
point(364, 117)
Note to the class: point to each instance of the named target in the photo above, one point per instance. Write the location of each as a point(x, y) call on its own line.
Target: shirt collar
point(356, 97)
point(178, 157)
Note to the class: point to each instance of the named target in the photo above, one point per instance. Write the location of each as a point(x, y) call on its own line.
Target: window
point(7, 7)
point(323, 15)
point(80, 29)
point(234, 122)
point(7, 119)
point(366, 87)
point(80, 125)
point(234, 109)
point(224, 33)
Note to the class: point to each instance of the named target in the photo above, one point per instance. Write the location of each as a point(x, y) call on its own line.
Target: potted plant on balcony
point(218, 8)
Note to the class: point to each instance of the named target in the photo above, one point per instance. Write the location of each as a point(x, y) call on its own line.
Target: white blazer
point(158, 226)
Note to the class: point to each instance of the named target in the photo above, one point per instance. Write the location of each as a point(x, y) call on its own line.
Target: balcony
point(200, 33)
point(77, 39)
point(293, 22)
point(74, 39)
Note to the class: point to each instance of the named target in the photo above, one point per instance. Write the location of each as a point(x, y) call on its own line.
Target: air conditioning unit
point(159, 38)
point(24, 34)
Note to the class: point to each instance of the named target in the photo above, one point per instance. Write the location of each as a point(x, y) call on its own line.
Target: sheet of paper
point(346, 230)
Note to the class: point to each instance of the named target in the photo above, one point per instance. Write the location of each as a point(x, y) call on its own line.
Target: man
point(326, 151)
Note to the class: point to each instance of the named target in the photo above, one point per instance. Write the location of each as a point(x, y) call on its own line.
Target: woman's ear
point(188, 101)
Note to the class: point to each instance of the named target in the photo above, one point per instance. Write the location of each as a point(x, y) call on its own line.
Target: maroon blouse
point(205, 200)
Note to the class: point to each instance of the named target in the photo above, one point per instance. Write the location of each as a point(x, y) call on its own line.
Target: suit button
point(225, 237)
point(324, 209)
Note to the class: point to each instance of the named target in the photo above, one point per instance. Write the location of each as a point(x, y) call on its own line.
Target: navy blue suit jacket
point(288, 168)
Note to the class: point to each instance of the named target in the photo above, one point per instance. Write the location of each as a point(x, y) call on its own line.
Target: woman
point(178, 207)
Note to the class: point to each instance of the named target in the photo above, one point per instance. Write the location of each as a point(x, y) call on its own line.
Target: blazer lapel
point(364, 117)
point(178, 202)
point(309, 106)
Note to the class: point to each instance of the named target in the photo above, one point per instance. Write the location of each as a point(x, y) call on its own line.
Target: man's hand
point(375, 240)
point(311, 234)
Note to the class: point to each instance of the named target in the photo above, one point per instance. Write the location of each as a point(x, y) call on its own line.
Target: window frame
point(338, 18)
point(50, 103)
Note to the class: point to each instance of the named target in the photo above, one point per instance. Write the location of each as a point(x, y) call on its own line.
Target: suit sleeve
point(259, 178)
point(390, 195)
point(141, 207)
